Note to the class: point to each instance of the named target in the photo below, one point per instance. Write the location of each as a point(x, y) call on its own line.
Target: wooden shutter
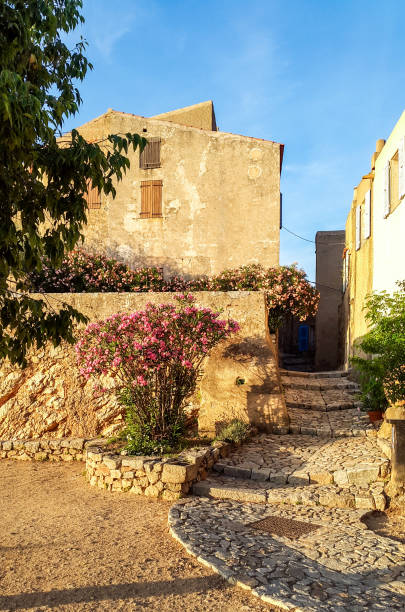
point(151, 199)
point(358, 220)
point(387, 189)
point(92, 196)
point(367, 215)
point(401, 168)
point(150, 156)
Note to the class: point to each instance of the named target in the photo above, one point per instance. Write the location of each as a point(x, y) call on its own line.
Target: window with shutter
point(394, 194)
point(151, 199)
point(346, 268)
point(387, 190)
point(92, 196)
point(367, 216)
point(358, 221)
point(401, 168)
point(150, 156)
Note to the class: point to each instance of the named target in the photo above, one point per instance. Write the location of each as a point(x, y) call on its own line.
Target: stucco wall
point(361, 267)
point(49, 399)
point(388, 233)
point(221, 199)
point(329, 248)
point(379, 262)
point(198, 115)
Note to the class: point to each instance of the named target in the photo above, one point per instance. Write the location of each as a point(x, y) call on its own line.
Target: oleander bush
point(82, 272)
point(156, 357)
point(287, 289)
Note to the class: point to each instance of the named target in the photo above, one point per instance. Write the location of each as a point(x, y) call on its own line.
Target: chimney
point(378, 148)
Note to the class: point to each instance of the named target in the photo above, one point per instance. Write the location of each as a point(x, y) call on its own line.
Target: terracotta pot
point(375, 415)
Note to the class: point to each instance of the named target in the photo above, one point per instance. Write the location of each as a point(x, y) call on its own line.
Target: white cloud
point(106, 25)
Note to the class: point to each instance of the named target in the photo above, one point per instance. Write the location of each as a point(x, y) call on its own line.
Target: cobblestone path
point(334, 461)
point(340, 566)
point(326, 472)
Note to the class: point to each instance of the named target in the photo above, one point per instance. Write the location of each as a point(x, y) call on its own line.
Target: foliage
point(235, 431)
point(156, 357)
point(372, 393)
point(84, 272)
point(43, 178)
point(384, 345)
point(287, 288)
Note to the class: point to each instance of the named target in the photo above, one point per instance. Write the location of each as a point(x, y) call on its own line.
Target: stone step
point(332, 424)
point(368, 497)
point(361, 473)
point(333, 374)
point(321, 384)
point(297, 368)
point(320, 407)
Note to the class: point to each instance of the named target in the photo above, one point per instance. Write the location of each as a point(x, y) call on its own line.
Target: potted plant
point(382, 371)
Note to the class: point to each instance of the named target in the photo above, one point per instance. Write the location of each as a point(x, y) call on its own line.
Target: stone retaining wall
point(165, 478)
point(48, 399)
point(73, 449)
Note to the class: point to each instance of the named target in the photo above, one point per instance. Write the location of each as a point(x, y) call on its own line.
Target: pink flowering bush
point(288, 292)
point(156, 357)
point(287, 289)
point(85, 272)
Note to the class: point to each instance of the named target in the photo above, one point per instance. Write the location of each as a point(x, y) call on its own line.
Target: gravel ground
point(67, 546)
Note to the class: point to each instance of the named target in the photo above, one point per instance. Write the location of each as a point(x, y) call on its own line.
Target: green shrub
point(235, 431)
point(382, 372)
point(372, 393)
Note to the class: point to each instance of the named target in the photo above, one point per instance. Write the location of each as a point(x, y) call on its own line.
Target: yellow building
point(374, 255)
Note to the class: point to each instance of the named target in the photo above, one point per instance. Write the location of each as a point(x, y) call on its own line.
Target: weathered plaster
point(220, 200)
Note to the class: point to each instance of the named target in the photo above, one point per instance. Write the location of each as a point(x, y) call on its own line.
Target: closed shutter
point(401, 168)
point(387, 190)
point(151, 199)
point(358, 235)
point(92, 196)
point(150, 156)
point(367, 215)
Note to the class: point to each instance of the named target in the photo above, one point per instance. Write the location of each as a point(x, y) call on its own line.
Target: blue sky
point(324, 77)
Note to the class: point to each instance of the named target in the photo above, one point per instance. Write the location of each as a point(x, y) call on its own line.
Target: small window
point(92, 196)
point(394, 191)
point(367, 215)
point(358, 228)
point(346, 268)
point(392, 184)
point(151, 199)
point(150, 156)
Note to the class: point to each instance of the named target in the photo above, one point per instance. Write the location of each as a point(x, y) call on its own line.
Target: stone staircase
point(324, 404)
point(296, 362)
point(330, 458)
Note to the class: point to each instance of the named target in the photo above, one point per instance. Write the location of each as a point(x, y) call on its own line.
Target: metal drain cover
point(285, 527)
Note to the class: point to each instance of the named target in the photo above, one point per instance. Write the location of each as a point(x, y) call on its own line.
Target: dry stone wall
point(161, 477)
point(73, 449)
point(164, 478)
point(49, 399)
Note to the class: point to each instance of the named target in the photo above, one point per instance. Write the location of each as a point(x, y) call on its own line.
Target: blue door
point(303, 338)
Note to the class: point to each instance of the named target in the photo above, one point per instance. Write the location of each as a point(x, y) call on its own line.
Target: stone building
point(196, 201)
point(329, 248)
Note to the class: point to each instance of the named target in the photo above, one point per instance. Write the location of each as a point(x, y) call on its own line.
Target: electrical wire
point(308, 240)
